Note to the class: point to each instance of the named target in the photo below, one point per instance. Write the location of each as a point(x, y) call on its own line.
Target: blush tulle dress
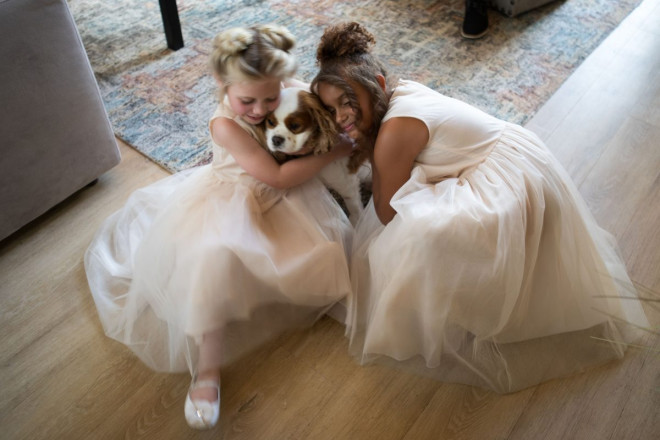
point(493, 271)
point(211, 250)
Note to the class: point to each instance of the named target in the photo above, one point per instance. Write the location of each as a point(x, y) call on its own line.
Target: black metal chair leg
point(171, 23)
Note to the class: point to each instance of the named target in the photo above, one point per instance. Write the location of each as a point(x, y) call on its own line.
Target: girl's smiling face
point(253, 100)
point(355, 123)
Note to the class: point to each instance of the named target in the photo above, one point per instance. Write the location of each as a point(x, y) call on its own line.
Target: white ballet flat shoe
point(202, 414)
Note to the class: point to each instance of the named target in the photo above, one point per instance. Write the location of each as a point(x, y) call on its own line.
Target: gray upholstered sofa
point(55, 136)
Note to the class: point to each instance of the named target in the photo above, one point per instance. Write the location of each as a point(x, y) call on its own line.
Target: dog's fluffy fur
point(301, 125)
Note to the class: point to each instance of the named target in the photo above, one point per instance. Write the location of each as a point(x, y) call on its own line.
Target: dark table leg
point(171, 23)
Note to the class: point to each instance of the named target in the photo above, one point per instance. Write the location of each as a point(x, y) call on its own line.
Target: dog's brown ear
point(326, 129)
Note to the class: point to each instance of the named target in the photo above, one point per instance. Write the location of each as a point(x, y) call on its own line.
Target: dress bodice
point(460, 136)
point(224, 164)
point(226, 169)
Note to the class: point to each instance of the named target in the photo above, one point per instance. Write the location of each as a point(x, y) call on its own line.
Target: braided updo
point(345, 60)
point(253, 53)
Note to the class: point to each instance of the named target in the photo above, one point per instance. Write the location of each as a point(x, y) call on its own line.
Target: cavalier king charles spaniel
point(302, 125)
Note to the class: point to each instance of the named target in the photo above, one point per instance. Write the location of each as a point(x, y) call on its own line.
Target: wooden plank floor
point(61, 378)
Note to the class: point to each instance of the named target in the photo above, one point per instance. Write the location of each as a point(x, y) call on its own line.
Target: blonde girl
point(207, 264)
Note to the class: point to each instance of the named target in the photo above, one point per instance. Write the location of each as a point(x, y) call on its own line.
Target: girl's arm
point(399, 142)
point(261, 165)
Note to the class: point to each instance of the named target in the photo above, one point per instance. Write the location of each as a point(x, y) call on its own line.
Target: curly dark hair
point(345, 60)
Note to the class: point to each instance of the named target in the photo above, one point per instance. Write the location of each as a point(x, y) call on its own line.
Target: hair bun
point(278, 36)
point(344, 40)
point(232, 42)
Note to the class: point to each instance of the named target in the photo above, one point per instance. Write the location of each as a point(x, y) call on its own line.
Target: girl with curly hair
point(476, 261)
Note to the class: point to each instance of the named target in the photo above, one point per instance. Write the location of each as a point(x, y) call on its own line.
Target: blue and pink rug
point(159, 101)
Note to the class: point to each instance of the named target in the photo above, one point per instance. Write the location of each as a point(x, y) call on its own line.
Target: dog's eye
point(294, 126)
point(270, 122)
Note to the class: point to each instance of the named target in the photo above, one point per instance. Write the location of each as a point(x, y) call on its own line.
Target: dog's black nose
point(277, 141)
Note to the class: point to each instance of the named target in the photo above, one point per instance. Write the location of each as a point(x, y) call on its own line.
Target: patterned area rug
point(159, 101)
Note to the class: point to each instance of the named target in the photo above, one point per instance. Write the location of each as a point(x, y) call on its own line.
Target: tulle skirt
point(498, 278)
point(193, 255)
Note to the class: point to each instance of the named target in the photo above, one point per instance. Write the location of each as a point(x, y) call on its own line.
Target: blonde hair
point(253, 53)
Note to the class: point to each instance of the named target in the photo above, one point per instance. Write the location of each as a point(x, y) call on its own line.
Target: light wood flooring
point(61, 378)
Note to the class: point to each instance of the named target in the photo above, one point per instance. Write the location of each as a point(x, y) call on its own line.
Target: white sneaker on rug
point(202, 414)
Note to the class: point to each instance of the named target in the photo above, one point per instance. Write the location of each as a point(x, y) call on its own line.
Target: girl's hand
point(343, 148)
